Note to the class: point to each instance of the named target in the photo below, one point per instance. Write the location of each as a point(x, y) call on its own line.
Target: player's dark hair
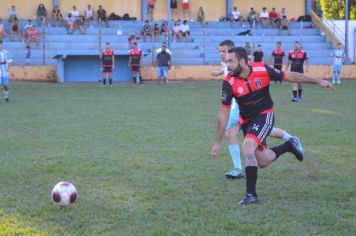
point(240, 53)
point(228, 43)
point(279, 43)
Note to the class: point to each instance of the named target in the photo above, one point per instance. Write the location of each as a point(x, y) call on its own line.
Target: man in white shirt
point(264, 17)
point(185, 30)
point(236, 16)
point(89, 14)
point(75, 13)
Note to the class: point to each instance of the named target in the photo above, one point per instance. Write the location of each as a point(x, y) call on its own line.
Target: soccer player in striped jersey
point(233, 125)
point(5, 59)
point(135, 64)
point(339, 56)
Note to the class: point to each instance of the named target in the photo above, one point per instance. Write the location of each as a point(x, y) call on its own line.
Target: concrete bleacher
point(201, 50)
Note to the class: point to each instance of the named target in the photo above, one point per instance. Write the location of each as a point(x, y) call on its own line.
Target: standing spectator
point(75, 13)
point(164, 29)
point(5, 60)
point(57, 16)
point(248, 50)
point(277, 57)
point(236, 17)
point(28, 55)
point(2, 30)
point(89, 14)
point(163, 64)
point(185, 30)
point(201, 16)
point(42, 15)
point(252, 18)
point(174, 8)
point(156, 32)
point(146, 30)
point(186, 9)
point(15, 30)
point(71, 24)
point(296, 58)
point(284, 25)
point(176, 32)
point(81, 24)
point(258, 54)
point(338, 56)
point(135, 64)
point(101, 13)
point(33, 36)
point(108, 58)
point(12, 13)
point(273, 18)
point(151, 8)
point(158, 50)
point(264, 17)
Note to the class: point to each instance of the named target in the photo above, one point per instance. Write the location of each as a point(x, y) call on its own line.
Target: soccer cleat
point(297, 148)
point(248, 199)
point(295, 99)
point(7, 100)
point(234, 174)
point(338, 82)
point(300, 99)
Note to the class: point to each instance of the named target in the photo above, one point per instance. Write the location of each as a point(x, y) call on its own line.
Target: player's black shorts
point(135, 69)
point(107, 69)
point(278, 67)
point(259, 128)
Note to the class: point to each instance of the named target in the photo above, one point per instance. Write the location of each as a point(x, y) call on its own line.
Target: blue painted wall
point(88, 69)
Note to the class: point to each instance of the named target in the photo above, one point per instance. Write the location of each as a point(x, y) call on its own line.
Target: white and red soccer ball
point(64, 194)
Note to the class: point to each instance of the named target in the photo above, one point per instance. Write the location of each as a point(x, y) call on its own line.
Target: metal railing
point(335, 29)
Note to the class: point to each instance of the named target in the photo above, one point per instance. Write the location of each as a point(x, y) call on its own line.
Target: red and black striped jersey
point(297, 59)
point(278, 55)
point(252, 93)
point(135, 55)
point(107, 56)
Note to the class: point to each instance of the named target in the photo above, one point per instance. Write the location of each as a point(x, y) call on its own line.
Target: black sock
point(110, 81)
point(281, 149)
point(134, 79)
point(300, 92)
point(294, 93)
point(141, 82)
point(104, 81)
point(251, 179)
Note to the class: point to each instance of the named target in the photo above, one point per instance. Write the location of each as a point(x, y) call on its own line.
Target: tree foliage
point(335, 9)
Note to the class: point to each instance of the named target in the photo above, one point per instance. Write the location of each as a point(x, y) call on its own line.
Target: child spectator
point(101, 13)
point(15, 30)
point(57, 17)
point(42, 15)
point(284, 25)
point(28, 55)
point(89, 14)
point(12, 13)
point(146, 30)
point(185, 30)
point(201, 16)
point(33, 36)
point(176, 32)
point(2, 30)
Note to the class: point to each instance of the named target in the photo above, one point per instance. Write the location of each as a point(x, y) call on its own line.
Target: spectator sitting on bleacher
point(75, 13)
point(273, 18)
point(101, 13)
point(12, 13)
point(283, 13)
point(146, 30)
point(2, 30)
point(132, 39)
point(264, 17)
point(33, 36)
point(201, 16)
point(185, 30)
point(156, 32)
point(89, 14)
point(57, 16)
point(236, 17)
point(42, 15)
point(15, 30)
point(26, 28)
point(176, 32)
point(252, 18)
point(284, 25)
point(82, 24)
point(258, 54)
point(164, 29)
point(71, 24)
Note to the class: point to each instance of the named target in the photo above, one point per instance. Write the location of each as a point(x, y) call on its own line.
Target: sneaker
point(300, 99)
point(234, 174)
point(248, 199)
point(295, 99)
point(338, 82)
point(297, 148)
point(7, 100)
point(333, 82)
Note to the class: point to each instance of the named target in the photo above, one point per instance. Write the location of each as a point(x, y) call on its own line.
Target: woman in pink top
point(33, 36)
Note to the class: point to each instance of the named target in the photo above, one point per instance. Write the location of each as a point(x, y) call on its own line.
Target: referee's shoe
point(297, 148)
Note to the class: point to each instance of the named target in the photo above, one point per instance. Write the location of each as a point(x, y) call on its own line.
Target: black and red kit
point(297, 59)
point(135, 55)
point(278, 55)
point(107, 57)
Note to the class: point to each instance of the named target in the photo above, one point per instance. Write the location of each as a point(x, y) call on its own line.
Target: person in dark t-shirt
point(258, 54)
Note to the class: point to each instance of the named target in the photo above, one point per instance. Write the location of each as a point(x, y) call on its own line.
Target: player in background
point(277, 56)
point(338, 56)
point(5, 60)
point(233, 125)
point(296, 59)
point(249, 85)
point(135, 64)
point(108, 58)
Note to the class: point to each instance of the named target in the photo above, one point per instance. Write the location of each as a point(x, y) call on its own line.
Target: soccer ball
point(64, 194)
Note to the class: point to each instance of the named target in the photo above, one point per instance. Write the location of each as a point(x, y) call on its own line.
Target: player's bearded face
point(234, 65)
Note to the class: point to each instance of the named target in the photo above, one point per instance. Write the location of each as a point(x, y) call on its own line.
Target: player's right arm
point(296, 77)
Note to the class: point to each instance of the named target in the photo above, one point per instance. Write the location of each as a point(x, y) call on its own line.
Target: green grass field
point(140, 159)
